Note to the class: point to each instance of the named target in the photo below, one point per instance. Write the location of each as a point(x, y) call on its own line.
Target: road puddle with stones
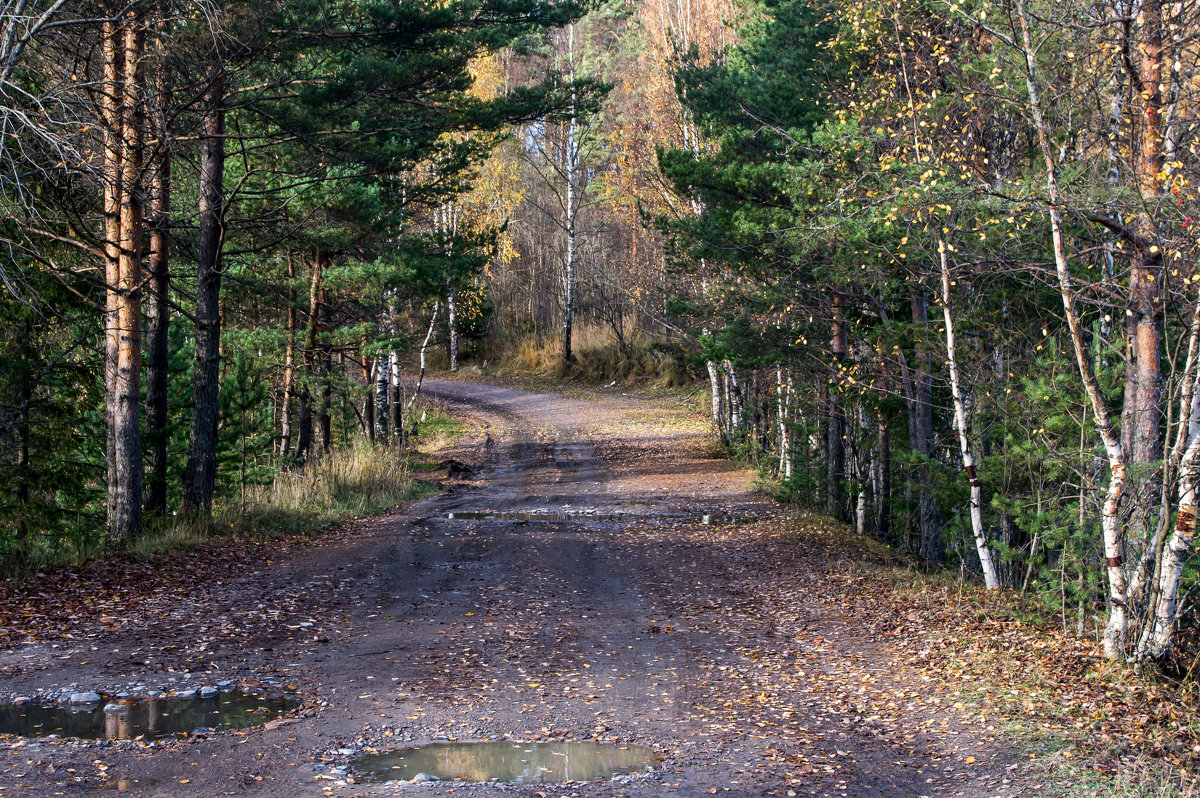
point(508, 762)
point(148, 719)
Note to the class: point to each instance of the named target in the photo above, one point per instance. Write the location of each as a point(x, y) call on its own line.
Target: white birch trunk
point(714, 382)
point(572, 210)
point(990, 578)
point(1118, 618)
point(437, 307)
point(452, 320)
point(782, 404)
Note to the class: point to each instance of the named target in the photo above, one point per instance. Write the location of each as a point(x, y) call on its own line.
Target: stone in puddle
point(115, 709)
point(85, 698)
point(209, 692)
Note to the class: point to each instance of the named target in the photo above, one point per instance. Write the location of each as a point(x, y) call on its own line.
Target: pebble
point(209, 692)
point(22, 700)
point(423, 778)
point(227, 684)
point(85, 698)
point(187, 692)
point(115, 709)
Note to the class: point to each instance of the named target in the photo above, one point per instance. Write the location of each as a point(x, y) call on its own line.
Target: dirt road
point(723, 647)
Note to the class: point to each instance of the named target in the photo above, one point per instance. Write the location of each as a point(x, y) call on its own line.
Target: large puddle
point(145, 718)
point(509, 762)
point(583, 515)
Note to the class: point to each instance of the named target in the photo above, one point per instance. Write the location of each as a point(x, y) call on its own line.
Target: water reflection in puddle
point(513, 763)
point(146, 718)
point(582, 515)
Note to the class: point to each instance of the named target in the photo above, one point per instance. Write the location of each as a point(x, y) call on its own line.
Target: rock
point(185, 692)
point(209, 692)
point(227, 684)
point(423, 778)
point(22, 701)
point(85, 698)
point(115, 709)
point(347, 751)
point(199, 730)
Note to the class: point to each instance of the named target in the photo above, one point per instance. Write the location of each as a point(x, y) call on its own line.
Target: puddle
point(583, 515)
point(151, 719)
point(509, 762)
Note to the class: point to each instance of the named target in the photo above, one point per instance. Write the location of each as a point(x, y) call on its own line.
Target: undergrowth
point(598, 358)
point(344, 484)
point(347, 483)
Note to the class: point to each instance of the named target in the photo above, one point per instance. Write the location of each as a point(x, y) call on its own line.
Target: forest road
point(598, 602)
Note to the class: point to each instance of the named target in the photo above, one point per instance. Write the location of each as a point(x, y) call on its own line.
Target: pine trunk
point(200, 477)
point(127, 513)
point(158, 311)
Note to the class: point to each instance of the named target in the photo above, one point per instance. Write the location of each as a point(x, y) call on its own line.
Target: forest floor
point(776, 656)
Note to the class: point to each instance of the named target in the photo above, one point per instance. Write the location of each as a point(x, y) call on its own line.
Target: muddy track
point(654, 629)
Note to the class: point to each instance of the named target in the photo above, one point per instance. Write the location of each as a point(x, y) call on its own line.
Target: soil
point(725, 648)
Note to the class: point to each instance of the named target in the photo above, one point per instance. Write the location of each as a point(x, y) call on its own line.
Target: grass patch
point(437, 430)
point(343, 485)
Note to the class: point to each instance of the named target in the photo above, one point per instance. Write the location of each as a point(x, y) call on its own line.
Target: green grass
point(438, 430)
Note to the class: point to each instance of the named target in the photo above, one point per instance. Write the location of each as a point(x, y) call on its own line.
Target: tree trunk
point(289, 366)
point(883, 509)
point(304, 442)
point(718, 417)
point(126, 47)
point(990, 577)
point(382, 368)
point(437, 307)
point(835, 447)
point(158, 312)
point(452, 323)
point(200, 477)
point(782, 402)
point(933, 549)
point(571, 171)
point(1142, 413)
point(1118, 619)
point(733, 400)
point(110, 98)
point(325, 410)
point(304, 437)
point(368, 416)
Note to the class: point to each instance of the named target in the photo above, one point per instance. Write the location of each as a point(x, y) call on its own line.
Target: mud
point(414, 629)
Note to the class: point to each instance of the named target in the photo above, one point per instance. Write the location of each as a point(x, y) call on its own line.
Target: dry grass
point(344, 484)
point(598, 358)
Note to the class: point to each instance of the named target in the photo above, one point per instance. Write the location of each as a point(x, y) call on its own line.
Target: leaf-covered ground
point(778, 656)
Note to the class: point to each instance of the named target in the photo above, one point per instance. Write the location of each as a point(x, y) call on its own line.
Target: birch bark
point(990, 578)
